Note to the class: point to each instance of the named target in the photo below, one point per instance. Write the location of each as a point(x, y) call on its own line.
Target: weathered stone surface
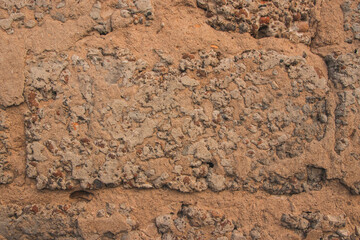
point(351, 11)
point(314, 224)
point(143, 121)
point(113, 109)
point(133, 12)
point(11, 71)
point(344, 72)
point(66, 221)
point(6, 176)
point(281, 19)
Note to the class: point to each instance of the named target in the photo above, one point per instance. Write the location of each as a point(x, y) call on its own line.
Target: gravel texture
point(184, 119)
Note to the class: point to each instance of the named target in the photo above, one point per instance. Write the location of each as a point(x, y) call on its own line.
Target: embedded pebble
point(262, 19)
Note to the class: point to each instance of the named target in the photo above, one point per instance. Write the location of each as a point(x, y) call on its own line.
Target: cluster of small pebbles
point(127, 12)
point(6, 175)
point(213, 121)
point(39, 221)
point(315, 225)
point(188, 221)
point(14, 14)
point(104, 135)
point(351, 11)
point(344, 72)
point(293, 20)
point(67, 221)
point(192, 222)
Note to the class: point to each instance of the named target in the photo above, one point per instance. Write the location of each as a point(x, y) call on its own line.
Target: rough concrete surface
point(180, 119)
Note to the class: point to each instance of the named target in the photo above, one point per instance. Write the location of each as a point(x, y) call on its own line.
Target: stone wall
point(179, 119)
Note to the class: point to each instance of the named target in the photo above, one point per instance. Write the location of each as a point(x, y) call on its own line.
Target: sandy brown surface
point(184, 119)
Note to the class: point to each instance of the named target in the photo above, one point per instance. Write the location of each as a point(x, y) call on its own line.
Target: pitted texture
point(179, 119)
point(351, 11)
point(344, 72)
point(123, 13)
point(214, 121)
point(6, 175)
point(282, 19)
